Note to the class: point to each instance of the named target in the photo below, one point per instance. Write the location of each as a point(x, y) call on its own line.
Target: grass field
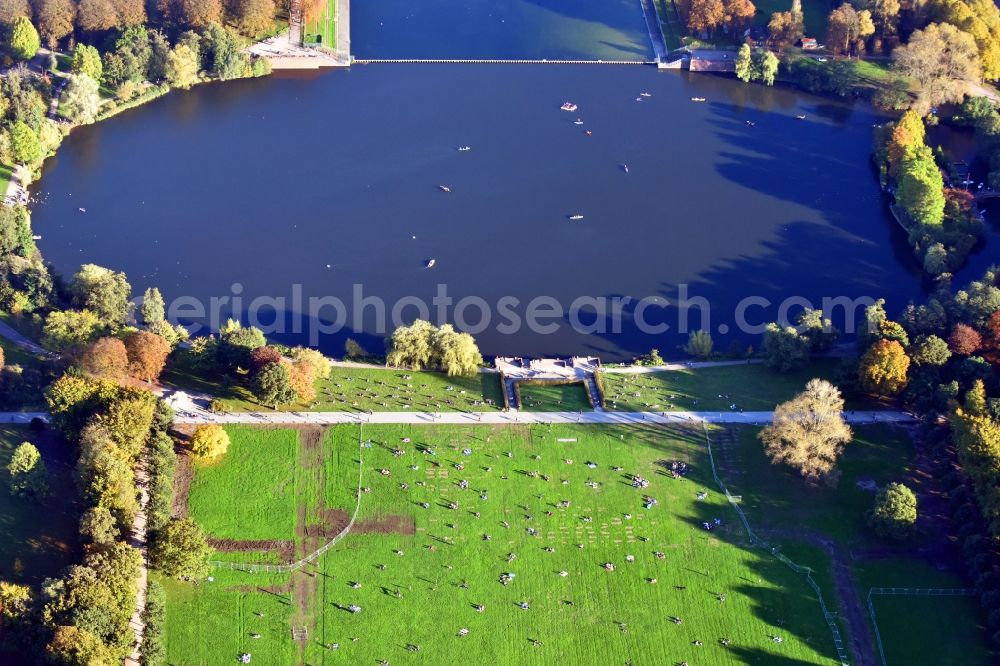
point(750, 387)
point(376, 389)
point(777, 498)
point(417, 573)
point(554, 397)
point(323, 30)
point(920, 629)
point(37, 539)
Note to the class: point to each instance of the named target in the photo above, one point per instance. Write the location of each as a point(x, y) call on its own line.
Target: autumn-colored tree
point(847, 28)
point(252, 17)
point(883, 368)
point(209, 441)
point(705, 15)
point(302, 379)
point(943, 60)
point(3, 360)
point(11, 9)
point(261, 357)
point(197, 13)
point(783, 30)
point(992, 330)
point(964, 340)
point(908, 133)
point(808, 432)
point(107, 358)
point(130, 12)
point(147, 354)
point(54, 19)
point(96, 15)
point(313, 9)
point(738, 14)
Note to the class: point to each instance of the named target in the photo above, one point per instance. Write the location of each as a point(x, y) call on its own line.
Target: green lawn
point(777, 498)
point(554, 397)
point(920, 629)
point(417, 582)
point(323, 30)
point(37, 539)
point(250, 493)
point(376, 389)
point(6, 173)
point(751, 387)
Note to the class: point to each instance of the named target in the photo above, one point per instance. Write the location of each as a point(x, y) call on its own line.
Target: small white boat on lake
point(430, 263)
point(568, 106)
point(464, 149)
point(444, 188)
point(576, 216)
point(697, 99)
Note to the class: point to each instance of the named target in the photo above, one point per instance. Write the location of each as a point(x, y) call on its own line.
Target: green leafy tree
point(744, 64)
point(930, 350)
point(456, 352)
point(81, 99)
point(236, 342)
point(65, 329)
point(87, 60)
point(103, 292)
point(272, 385)
point(895, 512)
point(411, 346)
point(699, 344)
point(182, 67)
point(99, 526)
point(181, 550)
point(765, 66)
point(785, 349)
point(818, 330)
point(153, 309)
point(23, 42)
point(28, 478)
point(24, 144)
point(920, 187)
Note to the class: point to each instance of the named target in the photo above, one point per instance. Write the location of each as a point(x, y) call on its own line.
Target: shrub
point(895, 512)
point(209, 441)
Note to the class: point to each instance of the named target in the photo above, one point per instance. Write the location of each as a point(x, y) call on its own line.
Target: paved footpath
point(467, 418)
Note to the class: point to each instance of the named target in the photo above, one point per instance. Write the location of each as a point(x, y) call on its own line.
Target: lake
point(313, 186)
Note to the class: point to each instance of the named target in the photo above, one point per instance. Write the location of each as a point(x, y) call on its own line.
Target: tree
point(705, 15)
point(739, 13)
point(28, 478)
point(943, 60)
point(65, 329)
point(23, 42)
point(980, 19)
point(808, 432)
point(152, 310)
point(198, 13)
point(106, 358)
point(765, 66)
point(24, 143)
point(894, 513)
point(784, 348)
point(10, 10)
point(908, 134)
point(236, 342)
point(182, 67)
point(354, 350)
point(87, 60)
point(71, 645)
point(920, 187)
point(883, 368)
point(885, 13)
point(81, 99)
point(130, 12)
point(783, 30)
point(930, 350)
point(320, 364)
point(456, 352)
point(262, 357)
point(209, 441)
point(98, 525)
point(744, 64)
point(252, 17)
point(411, 346)
point(147, 355)
point(54, 19)
point(181, 550)
point(103, 292)
point(96, 15)
point(302, 380)
point(699, 344)
point(964, 340)
point(272, 385)
point(817, 329)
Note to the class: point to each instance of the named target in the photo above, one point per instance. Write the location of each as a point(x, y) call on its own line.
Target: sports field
point(552, 505)
point(322, 30)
